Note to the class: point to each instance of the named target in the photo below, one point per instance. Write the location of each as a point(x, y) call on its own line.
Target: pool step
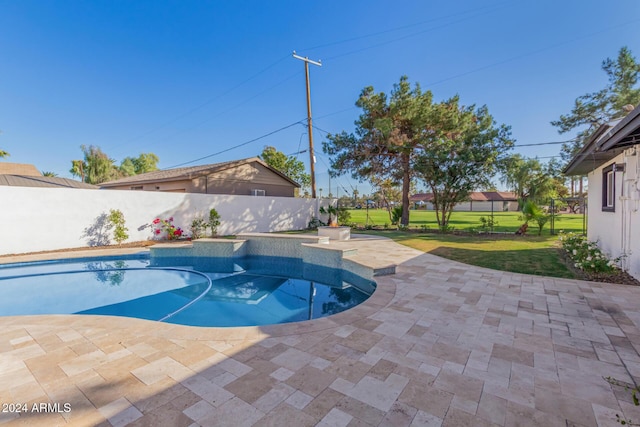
point(313, 250)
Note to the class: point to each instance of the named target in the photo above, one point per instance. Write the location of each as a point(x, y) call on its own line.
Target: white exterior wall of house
point(37, 219)
point(617, 232)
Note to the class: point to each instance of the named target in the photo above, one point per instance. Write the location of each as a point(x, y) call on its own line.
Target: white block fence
point(38, 219)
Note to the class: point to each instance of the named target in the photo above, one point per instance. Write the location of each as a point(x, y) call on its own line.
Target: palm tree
point(77, 169)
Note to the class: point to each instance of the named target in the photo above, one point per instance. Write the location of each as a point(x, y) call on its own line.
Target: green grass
point(466, 221)
point(519, 254)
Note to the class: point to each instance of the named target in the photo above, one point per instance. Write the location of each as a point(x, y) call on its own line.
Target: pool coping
point(381, 297)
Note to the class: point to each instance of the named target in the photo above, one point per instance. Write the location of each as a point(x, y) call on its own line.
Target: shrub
point(166, 227)
point(396, 215)
point(214, 222)
point(315, 223)
point(533, 212)
point(488, 223)
point(344, 216)
point(198, 227)
point(586, 255)
point(116, 218)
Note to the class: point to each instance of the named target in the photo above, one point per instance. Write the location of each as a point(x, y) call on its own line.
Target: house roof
point(190, 172)
point(475, 196)
point(42, 181)
point(607, 142)
point(24, 169)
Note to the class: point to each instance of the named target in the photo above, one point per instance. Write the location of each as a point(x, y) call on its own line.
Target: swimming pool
point(247, 291)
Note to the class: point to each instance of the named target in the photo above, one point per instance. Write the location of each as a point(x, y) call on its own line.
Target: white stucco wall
point(37, 219)
point(617, 232)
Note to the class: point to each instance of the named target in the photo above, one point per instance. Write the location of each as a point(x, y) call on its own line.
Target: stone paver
point(438, 344)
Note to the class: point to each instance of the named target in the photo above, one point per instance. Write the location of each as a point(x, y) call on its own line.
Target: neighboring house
point(609, 159)
point(479, 201)
point(246, 177)
point(22, 169)
point(25, 175)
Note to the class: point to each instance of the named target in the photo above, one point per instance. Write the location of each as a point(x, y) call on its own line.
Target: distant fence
point(37, 219)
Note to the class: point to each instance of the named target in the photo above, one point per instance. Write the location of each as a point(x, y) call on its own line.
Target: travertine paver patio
point(439, 343)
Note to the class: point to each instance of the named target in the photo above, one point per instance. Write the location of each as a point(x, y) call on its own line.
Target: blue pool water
point(250, 291)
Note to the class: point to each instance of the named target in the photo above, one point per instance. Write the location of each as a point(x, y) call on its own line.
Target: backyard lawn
point(530, 254)
point(465, 221)
point(538, 255)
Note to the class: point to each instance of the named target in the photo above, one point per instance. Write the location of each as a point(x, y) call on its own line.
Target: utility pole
point(312, 156)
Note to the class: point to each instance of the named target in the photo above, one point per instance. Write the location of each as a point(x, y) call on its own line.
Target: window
point(258, 192)
point(609, 188)
point(138, 187)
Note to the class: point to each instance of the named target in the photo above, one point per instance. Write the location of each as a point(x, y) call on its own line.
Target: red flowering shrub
point(165, 226)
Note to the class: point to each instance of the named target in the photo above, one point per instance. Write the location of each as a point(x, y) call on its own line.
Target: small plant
point(315, 223)
point(424, 228)
point(488, 223)
point(533, 212)
point(344, 216)
point(586, 255)
point(386, 225)
point(166, 227)
point(214, 222)
point(446, 229)
point(396, 215)
point(329, 210)
point(634, 397)
point(198, 227)
point(116, 218)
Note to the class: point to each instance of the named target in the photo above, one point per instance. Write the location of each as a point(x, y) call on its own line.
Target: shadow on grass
point(465, 238)
point(540, 261)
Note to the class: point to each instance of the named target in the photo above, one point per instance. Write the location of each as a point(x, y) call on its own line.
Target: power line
point(408, 36)
point(235, 106)
point(297, 152)
point(545, 143)
point(505, 60)
point(320, 129)
point(300, 122)
point(390, 30)
point(533, 52)
point(205, 103)
point(337, 112)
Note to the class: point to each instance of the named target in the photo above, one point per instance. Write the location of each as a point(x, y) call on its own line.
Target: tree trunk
point(580, 195)
point(406, 183)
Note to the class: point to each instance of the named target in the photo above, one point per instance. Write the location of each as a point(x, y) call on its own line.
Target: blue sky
point(187, 79)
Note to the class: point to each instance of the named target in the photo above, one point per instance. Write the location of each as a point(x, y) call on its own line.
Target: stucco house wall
point(617, 232)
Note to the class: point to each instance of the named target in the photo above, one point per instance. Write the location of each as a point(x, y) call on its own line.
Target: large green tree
point(97, 167)
point(528, 178)
point(597, 108)
point(387, 138)
point(145, 162)
point(461, 147)
point(288, 165)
